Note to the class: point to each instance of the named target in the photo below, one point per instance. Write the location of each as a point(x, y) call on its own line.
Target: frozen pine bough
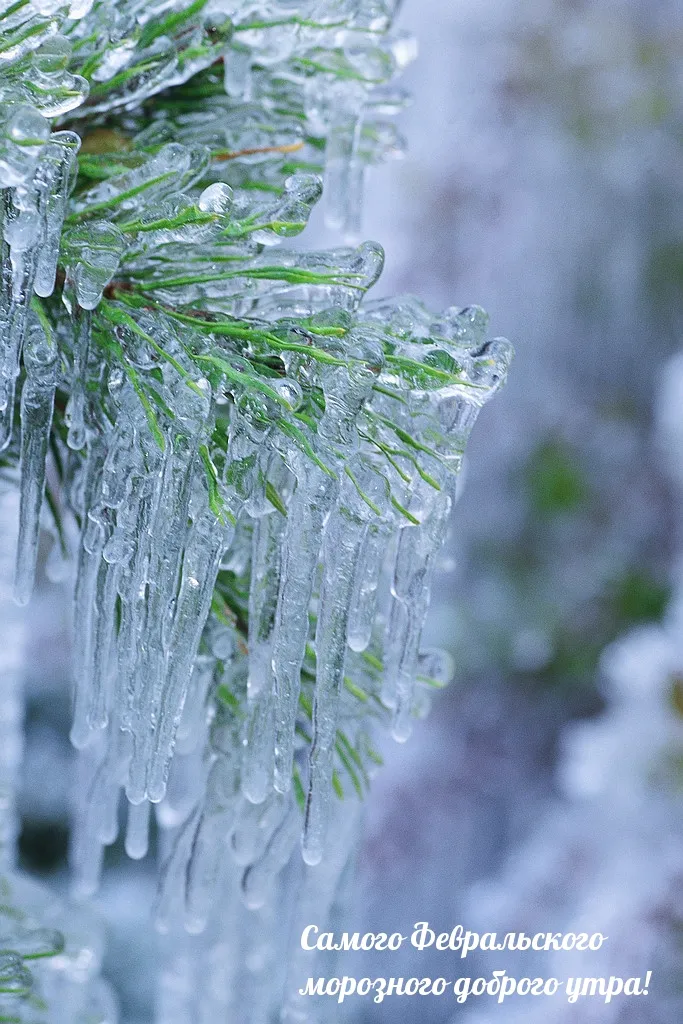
point(256, 463)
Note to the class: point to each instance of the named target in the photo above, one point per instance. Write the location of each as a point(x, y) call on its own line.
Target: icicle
point(111, 499)
point(75, 409)
point(259, 877)
point(146, 492)
point(207, 541)
point(307, 512)
point(341, 548)
point(23, 133)
point(255, 824)
point(364, 600)
point(185, 788)
point(192, 725)
point(137, 832)
point(99, 769)
point(60, 157)
point(37, 400)
point(208, 857)
point(265, 577)
point(21, 231)
point(322, 897)
point(341, 173)
point(57, 564)
point(344, 535)
point(205, 867)
point(12, 659)
point(55, 91)
point(168, 534)
point(173, 873)
point(257, 769)
point(417, 550)
point(259, 747)
point(103, 625)
point(94, 250)
point(93, 539)
point(345, 390)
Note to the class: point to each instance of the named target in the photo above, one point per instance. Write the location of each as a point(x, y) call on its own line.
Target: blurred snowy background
point(543, 182)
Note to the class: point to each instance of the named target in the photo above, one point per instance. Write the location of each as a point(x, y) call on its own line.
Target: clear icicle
point(259, 877)
point(104, 617)
point(13, 640)
point(60, 156)
point(173, 874)
point(364, 600)
point(341, 548)
point(23, 133)
point(21, 234)
point(307, 512)
point(146, 492)
point(265, 577)
point(208, 539)
point(257, 767)
point(255, 825)
point(75, 410)
point(321, 898)
point(259, 747)
point(341, 173)
point(237, 72)
point(168, 531)
point(101, 767)
point(137, 830)
point(37, 401)
point(208, 857)
point(192, 725)
point(94, 250)
point(93, 539)
point(186, 785)
point(205, 867)
point(416, 553)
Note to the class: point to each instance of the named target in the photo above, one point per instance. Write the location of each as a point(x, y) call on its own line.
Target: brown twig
point(290, 147)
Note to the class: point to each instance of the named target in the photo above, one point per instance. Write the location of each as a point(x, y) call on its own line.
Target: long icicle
point(258, 760)
point(92, 543)
point(341, 549)
point(21, 231)
point(37, 403)
point(207, 541)
point(307, 513)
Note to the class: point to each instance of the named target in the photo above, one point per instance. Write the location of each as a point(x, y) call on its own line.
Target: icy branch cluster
point(259, 464)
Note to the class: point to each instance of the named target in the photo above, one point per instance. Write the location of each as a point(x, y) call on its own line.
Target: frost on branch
point(258, 463)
